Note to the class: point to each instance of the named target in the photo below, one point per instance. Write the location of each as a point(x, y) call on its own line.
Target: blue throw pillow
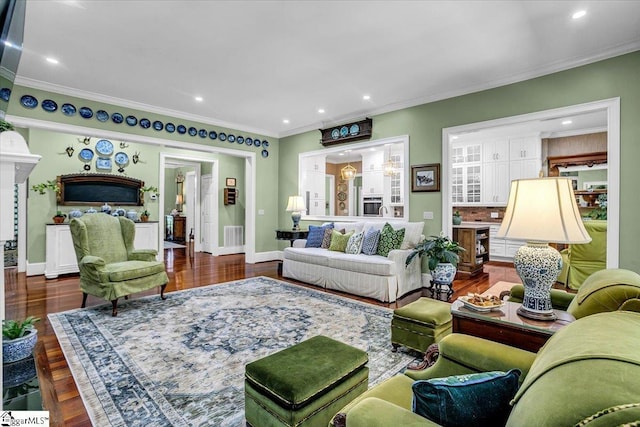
point(466, 400)
point(370, 242)
point(316, 233)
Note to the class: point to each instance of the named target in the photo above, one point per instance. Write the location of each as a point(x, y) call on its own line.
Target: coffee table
point(506, 326)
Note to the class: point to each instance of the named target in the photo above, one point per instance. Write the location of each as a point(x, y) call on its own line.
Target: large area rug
point(181, 361)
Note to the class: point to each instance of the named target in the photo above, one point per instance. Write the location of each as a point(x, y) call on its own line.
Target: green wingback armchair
point(579, 261)
point(110, 267)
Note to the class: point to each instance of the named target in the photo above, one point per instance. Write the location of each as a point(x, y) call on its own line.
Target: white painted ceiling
point(256, 63)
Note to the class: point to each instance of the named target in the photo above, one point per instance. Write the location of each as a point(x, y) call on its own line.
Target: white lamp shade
point(543, 210)
point(179, 199)
point(295, 204)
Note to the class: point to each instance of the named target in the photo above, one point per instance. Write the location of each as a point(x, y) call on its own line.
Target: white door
point(208, 214)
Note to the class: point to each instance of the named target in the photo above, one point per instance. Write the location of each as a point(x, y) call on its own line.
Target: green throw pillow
point(339, 241)
point(390, 239)
point(466, 400)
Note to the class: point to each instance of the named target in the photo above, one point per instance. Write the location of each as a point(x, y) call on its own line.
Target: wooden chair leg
point(162, 288)
point(84, 300)
point(114, 306)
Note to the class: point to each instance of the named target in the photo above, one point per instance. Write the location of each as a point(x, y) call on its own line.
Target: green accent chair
point(605, 290)
point(588, 371)
point(110, 267)
point(581, 260)
point(305, 384)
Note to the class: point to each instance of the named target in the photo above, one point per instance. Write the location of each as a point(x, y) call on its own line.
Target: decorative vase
point(19, 348)
point(144, 218)
point(457, 220)
point(90, 211)
point(132, 215)
point(75, 213)
point(106, 208)
point(444, 273)
point(120, 212)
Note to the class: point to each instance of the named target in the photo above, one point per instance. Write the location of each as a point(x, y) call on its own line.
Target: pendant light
point(348, 172)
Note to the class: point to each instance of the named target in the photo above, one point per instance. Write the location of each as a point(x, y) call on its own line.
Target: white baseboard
point(35, 269)
point(268, 256)
point(230, 250)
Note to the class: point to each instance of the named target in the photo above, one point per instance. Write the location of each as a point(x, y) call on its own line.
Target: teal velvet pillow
point(467, 400)
point(390, 239)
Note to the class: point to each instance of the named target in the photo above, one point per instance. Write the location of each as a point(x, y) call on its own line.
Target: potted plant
point(4, 126)
point(443, 256)
point(144, 215)
point(18, 338)
point(43, 188)
point(457, 218)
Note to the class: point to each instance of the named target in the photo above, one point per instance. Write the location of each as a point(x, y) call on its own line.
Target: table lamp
point(540, 211)
point(296, 206)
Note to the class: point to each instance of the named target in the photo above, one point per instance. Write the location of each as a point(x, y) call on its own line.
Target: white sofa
point(373, 276)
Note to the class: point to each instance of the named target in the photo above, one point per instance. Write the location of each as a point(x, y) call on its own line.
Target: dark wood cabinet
point(475, 240)
point(179, 228)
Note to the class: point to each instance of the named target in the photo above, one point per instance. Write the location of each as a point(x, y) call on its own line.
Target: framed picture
point(425, 177)
point(231, 182)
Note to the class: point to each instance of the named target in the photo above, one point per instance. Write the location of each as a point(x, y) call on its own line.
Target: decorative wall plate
point(344, 131)
point(86, 154)
point(222, 136)
point(158, 125)
point(131, 120)
point(213, 134)
point(29, 101)
point(121, 158)
point(265, 143)
point(265, 153)
point(102, 116)
point(342, 196)
point(86, 112)
point(117, 118)
point(248, 141)
point(102, 163)
point(5, 94)
point(68, 109)
point(104, 147)
point(49, 105)
point(341, 205)
point(354, 129)
point(182, 129)
point(193, 131)
point(170, 127)
point(145, 123)
point(256, 142)
point(240, 139)
point(342, 187)
point(202, 133)
point(231, 138)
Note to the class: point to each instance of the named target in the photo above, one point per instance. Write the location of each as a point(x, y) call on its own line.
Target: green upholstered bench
point(304, 385)
point(420, 324)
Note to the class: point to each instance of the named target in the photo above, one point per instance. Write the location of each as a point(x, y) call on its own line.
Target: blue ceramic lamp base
point(295, 216)
point(538, 266)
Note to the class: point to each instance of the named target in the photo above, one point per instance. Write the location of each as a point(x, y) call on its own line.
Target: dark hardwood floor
point(37, 296)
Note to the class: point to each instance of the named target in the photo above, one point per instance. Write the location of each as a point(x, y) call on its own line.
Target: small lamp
point(296, 206)
point(179, 202)
point(348, 172)
point(539, 211)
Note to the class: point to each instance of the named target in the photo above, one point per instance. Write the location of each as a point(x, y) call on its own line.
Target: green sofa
point(588, 371)
point(581, 260)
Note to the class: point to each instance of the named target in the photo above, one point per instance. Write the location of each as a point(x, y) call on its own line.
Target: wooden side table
point(291, 235)
point(506, 326)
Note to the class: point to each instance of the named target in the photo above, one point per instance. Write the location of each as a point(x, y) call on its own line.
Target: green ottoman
point(420, 324)
point(304, 385)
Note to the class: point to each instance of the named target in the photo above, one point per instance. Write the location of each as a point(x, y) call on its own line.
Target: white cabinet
point(495, 183)
point(502, 249)
point(466, 174)
point(313, 184)
point(495, 151)
point(372, 174)
point(525, 157)
point(61, 256)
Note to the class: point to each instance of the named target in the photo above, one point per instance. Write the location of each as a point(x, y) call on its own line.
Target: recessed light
point(366, 97)
point(321, 110)
point(285, 121)
point(567, 122)
point(52, 60)
point(454, 137)
point(340, 154)
point(579, 14)
point(199, 98)
point(8, 43)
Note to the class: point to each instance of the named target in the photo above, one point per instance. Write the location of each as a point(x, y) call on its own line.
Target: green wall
point(616, 77)
point(51, 146)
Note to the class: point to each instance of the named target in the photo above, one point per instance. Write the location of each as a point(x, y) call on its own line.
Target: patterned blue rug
point(181, 361)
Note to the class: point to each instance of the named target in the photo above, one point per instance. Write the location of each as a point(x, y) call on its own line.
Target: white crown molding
point(551, 68)
point(64, 90)
point(565, 133)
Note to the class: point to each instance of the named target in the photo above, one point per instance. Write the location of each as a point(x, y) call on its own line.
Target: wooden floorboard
point(37, 296)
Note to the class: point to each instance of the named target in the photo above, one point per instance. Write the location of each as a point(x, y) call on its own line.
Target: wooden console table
point(506, 326)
